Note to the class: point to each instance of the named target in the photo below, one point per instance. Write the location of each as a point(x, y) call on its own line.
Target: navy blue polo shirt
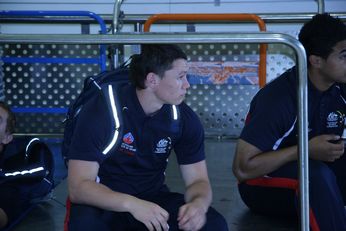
point(137, 166)
point(272, 121)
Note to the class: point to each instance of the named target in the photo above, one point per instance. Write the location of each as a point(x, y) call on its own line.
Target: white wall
point(177, 6)
point(148, 7)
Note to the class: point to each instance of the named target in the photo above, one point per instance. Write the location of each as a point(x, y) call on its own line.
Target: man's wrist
point(128, 203)
point(201, 202)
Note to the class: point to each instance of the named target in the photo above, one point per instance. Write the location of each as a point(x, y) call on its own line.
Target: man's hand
point(151, 215)
point(323, 148)
point(192, 216)
point(198, 196)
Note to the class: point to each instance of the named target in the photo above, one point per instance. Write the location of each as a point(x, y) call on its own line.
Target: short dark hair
point(156, 58)
point(321, 34)
point(11, 119)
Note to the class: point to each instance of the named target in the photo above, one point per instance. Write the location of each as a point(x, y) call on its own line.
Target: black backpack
point(27, 159)
point(94, 85)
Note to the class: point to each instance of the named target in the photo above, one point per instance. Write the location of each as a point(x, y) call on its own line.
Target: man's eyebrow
point(342, 51)
point(183, 70)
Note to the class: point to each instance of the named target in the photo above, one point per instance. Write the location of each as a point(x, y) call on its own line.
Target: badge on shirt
point(163, 145)
point(128, 139)
point(335, 119)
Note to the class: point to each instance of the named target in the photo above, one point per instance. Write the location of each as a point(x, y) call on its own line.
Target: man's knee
point(321, 176)
point(3, 218)
point(86, 218)
point(215, 221)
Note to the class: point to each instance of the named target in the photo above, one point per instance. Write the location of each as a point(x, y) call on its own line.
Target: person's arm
point(198, 196)
point(250, 162)
point(83, 189)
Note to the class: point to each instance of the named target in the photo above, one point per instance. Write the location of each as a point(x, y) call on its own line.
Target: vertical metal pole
point(136, 48)
point(116, 14)
point(115, 27)
point(303, 159)
point(320, 6)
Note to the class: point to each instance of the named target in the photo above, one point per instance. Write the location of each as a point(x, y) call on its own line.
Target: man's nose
point(186, 83)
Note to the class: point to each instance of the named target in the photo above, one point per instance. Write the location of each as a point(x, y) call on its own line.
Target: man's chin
point(179, 101)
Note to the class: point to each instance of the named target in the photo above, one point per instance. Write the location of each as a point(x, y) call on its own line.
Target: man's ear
point(152, 79)
point(7, 138)
point(315, 61)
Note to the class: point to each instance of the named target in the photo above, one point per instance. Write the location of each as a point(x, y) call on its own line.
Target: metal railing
point(139, 19)
point(202, 38)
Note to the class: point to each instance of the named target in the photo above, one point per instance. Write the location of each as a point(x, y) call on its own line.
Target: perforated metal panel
point(37, 83)
point(279, 59)
point(221, 108)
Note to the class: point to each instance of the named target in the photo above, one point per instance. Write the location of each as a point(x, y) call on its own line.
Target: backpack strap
point(111, 96)
point(175, 113)
point(176, 121)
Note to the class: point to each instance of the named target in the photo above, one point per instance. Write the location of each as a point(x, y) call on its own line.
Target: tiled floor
point(49, 216)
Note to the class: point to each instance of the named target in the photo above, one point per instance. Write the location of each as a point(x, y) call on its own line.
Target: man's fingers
point(149, 226)
point(331, 137)
point(156, 224)
point(185, 219)
point(163, 224)
point(182, 214)
point(165, 215)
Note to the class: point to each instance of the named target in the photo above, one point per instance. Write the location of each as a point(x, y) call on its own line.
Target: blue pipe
point(66, 13)
point(55, 110)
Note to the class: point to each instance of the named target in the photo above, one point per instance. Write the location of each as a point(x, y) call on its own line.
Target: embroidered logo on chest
point(335, 119)
point(128, 139)
point(163, 146)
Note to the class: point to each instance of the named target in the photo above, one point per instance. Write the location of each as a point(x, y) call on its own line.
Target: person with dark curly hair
point(265, 161)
